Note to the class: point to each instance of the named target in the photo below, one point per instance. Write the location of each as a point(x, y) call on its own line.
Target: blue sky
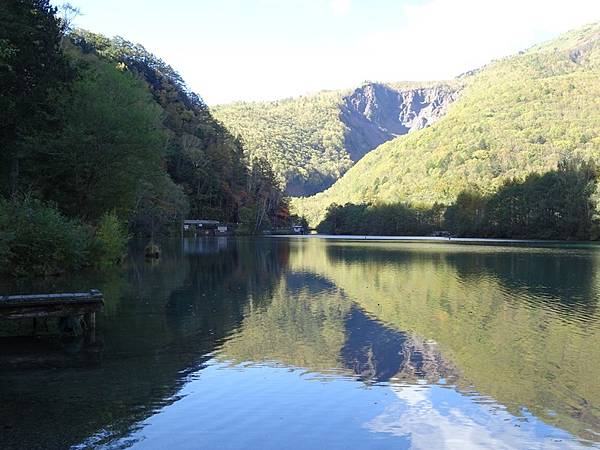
point(231, 50)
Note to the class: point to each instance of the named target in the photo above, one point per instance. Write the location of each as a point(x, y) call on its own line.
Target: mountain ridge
point(517, 115)
point(312, 140)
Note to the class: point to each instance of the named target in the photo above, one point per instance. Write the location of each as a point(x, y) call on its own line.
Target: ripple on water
point(315, 344)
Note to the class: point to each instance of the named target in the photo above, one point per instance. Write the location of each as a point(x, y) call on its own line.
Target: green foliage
point(110, 135)
point(264, 187)
point(303, 138)
point(36, 239)
point(110, 242)
point(110, 144)
point(555, 205)
point(465, 217)
point(33, 70)
point(393, 219)
point(201, 155)
point(160, 204)
point(560, 204)
point(516, 116)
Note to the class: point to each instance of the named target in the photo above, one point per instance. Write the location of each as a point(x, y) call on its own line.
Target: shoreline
point(431, 239)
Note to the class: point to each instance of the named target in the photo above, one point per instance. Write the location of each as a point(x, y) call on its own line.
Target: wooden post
point(90, 327)
point(90, 320)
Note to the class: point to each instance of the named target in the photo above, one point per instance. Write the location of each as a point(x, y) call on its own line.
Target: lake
point(305, 343)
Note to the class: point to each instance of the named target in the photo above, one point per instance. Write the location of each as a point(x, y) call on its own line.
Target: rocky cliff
point(311, 141)
point(518, 115)
point(376, 113)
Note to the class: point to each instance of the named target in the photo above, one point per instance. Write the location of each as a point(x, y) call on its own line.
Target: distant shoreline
point(432, 239)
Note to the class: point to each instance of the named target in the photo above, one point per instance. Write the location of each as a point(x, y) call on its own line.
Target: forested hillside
point(516, 116)
point(101, 139)
point(313, 140)
point(201, 155)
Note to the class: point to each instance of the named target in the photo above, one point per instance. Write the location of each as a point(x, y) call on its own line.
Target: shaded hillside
point(313, 140)
point(515, 116)
point(201, 155)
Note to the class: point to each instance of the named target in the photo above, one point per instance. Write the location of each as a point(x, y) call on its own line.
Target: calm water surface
point(320, 344)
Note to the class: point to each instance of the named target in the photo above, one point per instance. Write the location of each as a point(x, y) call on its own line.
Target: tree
point(465, 217)
point(265, 192)
point(112, 142)
point(202, 156)
point(160, 203)
point(33, 72)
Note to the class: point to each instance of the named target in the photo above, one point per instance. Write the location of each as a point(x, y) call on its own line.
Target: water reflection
point(272, 343)
point(162, 322)
point(378, 353)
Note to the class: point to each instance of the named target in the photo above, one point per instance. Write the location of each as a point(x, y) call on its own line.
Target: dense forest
point(303, 138)
point(560, 204)
point(516, 116)
point(101, 140)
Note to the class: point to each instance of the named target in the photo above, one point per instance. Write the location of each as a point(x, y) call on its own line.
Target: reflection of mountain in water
point(314, 326)
point(519, 334)
point(562, 278)
point(376, 352)
point(371, 312)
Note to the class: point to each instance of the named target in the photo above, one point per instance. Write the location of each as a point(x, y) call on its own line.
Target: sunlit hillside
point(312, 140)
point(515, 116)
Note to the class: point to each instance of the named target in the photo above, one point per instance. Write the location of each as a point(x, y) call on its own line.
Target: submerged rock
point(152, 251)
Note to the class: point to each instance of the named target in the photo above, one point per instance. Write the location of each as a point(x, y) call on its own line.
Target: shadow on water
point(162, 320)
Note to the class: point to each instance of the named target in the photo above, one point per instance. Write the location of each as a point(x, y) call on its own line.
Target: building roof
point(201, 222)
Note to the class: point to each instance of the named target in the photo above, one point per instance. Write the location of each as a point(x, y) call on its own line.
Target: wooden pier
point(79, 304)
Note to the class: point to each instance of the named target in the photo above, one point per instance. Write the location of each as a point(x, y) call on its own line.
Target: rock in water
point(152, 251)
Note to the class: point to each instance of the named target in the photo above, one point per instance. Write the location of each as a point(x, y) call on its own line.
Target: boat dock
point(42, 306)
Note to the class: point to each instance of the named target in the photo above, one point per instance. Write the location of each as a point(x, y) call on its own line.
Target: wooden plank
point(48, 311)
point(47, 300)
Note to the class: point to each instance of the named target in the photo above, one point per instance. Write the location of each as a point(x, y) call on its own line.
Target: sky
point(230, 50)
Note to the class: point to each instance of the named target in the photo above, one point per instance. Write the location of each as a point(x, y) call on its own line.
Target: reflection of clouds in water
point(440, 418)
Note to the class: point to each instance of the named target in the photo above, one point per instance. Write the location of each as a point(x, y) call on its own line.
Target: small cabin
point(298, 229)
point(205, 227)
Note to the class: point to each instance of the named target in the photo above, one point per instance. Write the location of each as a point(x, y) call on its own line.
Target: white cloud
point(340, 7)
point(463, 425)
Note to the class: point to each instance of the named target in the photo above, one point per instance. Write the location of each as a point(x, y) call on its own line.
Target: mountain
point(313, 140)
point(515, 116)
